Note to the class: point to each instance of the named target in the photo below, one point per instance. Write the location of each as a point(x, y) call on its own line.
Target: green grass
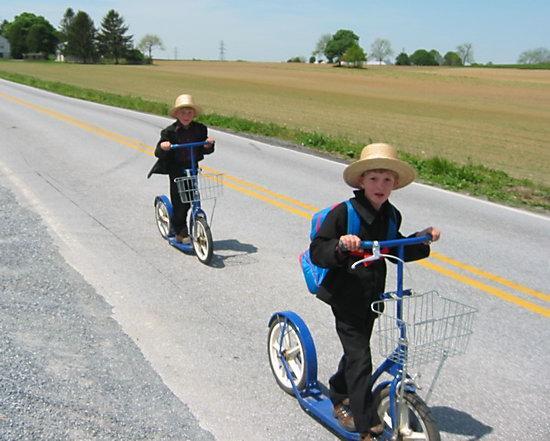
point(474, 179)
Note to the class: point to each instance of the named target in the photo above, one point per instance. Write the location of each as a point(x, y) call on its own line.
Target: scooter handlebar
point(367, 244)
point(188, 145)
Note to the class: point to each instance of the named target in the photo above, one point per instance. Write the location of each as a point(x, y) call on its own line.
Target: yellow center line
point(487, 288)
point(306, 211)
point(489, 276)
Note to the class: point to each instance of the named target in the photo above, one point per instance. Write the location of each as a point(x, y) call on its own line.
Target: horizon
point(265, 32)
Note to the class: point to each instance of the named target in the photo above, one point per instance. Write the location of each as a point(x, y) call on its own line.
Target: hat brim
point(406, 174)
point(196, 108)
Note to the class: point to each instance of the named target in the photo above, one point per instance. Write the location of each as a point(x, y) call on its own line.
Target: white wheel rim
point(407, 433)
point(201, 240)
point(293, 353)
point(163, 219)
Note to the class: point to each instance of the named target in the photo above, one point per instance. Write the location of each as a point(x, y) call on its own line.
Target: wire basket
point(199, 187)
point(436, 328)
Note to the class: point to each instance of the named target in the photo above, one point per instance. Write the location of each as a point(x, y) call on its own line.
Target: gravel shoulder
point(67, 370)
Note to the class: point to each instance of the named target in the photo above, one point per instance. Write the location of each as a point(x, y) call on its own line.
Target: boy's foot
point(345, 418)
point(183, 238)
point(373, 433)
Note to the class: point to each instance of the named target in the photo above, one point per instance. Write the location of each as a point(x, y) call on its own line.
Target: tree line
point(77, 39)
point(343, 46)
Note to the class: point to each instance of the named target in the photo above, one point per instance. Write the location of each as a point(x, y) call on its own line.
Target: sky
point(261, 30)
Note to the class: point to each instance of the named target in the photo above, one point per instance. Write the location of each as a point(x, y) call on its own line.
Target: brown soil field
point(496, 117)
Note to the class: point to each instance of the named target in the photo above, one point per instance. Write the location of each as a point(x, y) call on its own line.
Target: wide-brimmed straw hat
point(185, 100)
point(375, 157)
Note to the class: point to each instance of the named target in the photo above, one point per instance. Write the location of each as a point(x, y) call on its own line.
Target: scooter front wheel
point(284, 343)
point(162, 218)
point(415, 419)
point(202, 240)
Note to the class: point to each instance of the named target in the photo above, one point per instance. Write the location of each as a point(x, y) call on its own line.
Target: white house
point(4, 47)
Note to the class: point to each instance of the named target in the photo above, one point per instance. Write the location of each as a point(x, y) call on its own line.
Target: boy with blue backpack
point(336, 246)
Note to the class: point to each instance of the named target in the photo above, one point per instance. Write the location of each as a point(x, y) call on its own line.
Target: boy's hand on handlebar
point(209, 143)
point(349, 242)
point(434, 232)
point(165, 145)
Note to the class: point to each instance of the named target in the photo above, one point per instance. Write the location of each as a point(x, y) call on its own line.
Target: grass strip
point(474, 179)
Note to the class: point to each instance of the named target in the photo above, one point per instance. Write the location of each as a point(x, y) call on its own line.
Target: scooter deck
point(185, 247)
point(318, 405)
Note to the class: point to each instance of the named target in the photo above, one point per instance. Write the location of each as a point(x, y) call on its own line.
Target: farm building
point(4, 47)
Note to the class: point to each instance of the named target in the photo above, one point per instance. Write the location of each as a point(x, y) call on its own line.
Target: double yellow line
point(306, 211)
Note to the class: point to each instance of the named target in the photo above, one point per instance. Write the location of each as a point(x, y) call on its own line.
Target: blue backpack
point(314, 274)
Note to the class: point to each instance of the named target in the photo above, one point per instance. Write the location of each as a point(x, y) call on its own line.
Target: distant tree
point(18, 30)
point(65, 23)
point(312, 59)
point(422, 57)
point(296, 60)
point(381, 49)
point(339, 44)
point(466, 53)
point(81, 38)
point(3, 26)
point(148, 42)
point(535, 56)
point(42, 38)
point(355, 55)
point(452, 59)
point(437, 57)
point(113, 43)
point(321, 45)
point(402, 59)
point(135, 56)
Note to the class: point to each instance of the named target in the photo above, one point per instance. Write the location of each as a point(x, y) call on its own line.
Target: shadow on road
point(240, 257)
point(461, 423)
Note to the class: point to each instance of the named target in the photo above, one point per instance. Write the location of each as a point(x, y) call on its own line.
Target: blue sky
point(260, 30)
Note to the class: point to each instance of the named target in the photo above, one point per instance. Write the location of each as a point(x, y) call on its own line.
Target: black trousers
point(353, 378)
point(179, 220)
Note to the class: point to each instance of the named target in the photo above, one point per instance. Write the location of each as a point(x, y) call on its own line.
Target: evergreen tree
point(65, 23)
point(81, 38)
point(113, 43)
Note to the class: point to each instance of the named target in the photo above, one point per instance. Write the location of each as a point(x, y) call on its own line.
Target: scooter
point(193, 187)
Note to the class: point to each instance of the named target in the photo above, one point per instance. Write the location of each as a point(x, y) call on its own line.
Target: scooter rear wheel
point(284, 341)
point(162, 218)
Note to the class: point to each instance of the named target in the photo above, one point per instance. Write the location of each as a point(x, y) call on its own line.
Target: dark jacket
point(353, 291)
point(172, 162)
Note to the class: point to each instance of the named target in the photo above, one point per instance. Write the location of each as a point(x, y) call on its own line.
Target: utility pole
point(175, 53)
point(222, 51)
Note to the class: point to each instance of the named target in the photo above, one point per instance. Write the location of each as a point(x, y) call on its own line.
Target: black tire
point(162, 218)
point(202, 240)
point(416, 422)
point(292, 349)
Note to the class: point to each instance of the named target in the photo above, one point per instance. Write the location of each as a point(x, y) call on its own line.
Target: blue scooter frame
point(199, 230)
point(293, 360)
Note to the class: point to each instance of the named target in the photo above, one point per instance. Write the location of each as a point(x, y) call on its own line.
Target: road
point(109, 332)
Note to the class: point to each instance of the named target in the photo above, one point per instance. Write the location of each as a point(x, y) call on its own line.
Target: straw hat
point(185, 101)
point(379, 156)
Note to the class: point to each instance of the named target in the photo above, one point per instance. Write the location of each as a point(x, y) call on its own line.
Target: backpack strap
point(392, 224)
point(354, 223)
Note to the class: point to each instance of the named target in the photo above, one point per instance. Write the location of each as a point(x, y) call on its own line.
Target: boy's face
point(378, 185)
point(185, 115)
